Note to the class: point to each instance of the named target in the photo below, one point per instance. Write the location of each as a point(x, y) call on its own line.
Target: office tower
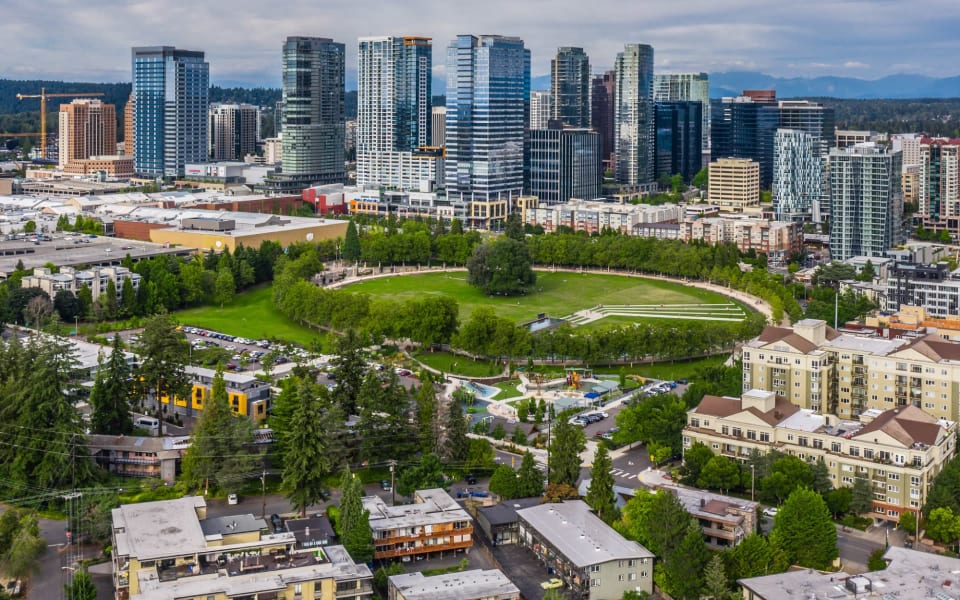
point(743, 127)
point(88, 128)
point(438, 131)
point(798, 171)
point(171, 94)
point(734, 184)
point(908, 144)
point(633, 118)
point(601, 111)
point(570, 86)
point(541, 109)
point(313, 112)
point(673, 87)
point(233, 131)
point(488, 99)
point(278, 117)
point(128, 127)
point(812, 118)
point(393, 110)
point(678, 139)
point(565, 163)
point(866, 203)
point(938, 184)
point(849, 137)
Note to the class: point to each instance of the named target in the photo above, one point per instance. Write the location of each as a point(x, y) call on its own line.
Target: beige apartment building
point(898, 451)
point(734, 184)
point(70, 279)
point(433, 524)
point(88, 127)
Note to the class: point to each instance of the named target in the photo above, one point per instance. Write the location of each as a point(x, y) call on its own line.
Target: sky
point(91, 40)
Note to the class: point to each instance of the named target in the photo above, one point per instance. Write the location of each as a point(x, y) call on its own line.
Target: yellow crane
point(43, 95)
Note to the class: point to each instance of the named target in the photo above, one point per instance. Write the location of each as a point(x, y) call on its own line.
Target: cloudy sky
point(90, 40)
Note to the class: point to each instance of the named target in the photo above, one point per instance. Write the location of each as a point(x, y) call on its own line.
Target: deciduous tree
point(805, 531)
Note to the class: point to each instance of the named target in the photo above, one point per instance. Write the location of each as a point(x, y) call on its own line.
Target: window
point(854, 451)
point(893, 476)
point(595, 568)
point(633, 576)
point(835, 446)
point(620, 577)
point(694, 422)
point(632, 562)
point(594, 583)
point(751, 434)
point(737, 432)
point(764, 436)
point(914, 480)
point(868, 453)
point(725, 430)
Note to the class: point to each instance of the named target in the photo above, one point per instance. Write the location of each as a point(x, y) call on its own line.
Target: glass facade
point(678, 139)
point(601, 110)
point(673, 87)
point(565, 163)
point(488, 101)
point(634, 115)
point(797, 176)
point(171, 95)
point(570, 86)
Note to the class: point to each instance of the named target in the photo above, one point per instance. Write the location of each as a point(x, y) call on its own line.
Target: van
point(150, 423)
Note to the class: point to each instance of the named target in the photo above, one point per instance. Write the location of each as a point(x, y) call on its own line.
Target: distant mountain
point(892, 86)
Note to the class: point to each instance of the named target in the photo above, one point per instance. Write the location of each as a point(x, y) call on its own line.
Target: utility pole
point(753, 478)
point(263, 494)
point(393, 482)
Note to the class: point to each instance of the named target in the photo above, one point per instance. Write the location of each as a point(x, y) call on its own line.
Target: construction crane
point(43, 95)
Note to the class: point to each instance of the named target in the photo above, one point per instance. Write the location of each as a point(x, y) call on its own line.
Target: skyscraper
point(488, 99)
point(866, 203)
point(541, 109)
point(88, 128)
point(812, 118)
point(938, 184)
point(743, 127)
point(633, 120)
point(171, 94)
point(438, 131)
point(672, 87)
point(601, 111)
point(233, 131)
point(797, 176)
point(565, 163)
point(128, 118)
point(678, 139)
point(313, 112)
point(393, 110)
point(570, 87)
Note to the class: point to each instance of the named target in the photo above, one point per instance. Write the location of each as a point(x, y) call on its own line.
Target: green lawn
point(251, 315)
point(666, 370)
point(508, 389)
point(445, 361)
point(557, 294)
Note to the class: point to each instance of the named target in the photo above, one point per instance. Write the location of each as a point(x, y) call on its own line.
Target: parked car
point(277, 522)
point(385, 485)
point(471, 479)
point(233, 499)
point(770, 511)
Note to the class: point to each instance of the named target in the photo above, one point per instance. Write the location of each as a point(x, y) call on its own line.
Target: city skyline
point(878, 38)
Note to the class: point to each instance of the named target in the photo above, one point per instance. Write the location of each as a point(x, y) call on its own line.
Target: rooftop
point(152, 530)
point(231, 525)
point(468, 585)
point(714, 506)
point(506, 511)
point(579, 534)
point(431, 506)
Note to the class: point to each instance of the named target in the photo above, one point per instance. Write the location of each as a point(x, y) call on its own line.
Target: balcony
point(423, 549)
point(366, 587)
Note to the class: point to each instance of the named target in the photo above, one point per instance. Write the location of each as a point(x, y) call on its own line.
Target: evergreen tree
point(224, 288)
point(111, 394)
point(564, 452)
point(600, 494)
point(80, 588)
point(128, 298)
point(306, 463)
point(683, 569)
point(111, 306)
point(349, 367)
point(351, 243)
point(457, 444)
point(385, 429)
point(756, 556)
point(821, 477)
point(805, 531)
point(353, 525)
point(861, 499)
point(427, 415)
point(529, 478)
point(715, 579)
point(163, 352)
point(518, 437)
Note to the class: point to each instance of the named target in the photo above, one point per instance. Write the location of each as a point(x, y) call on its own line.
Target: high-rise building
point(570, 86)
point(866, 202)
point(88, 127)
point(438, 131)
point(908, 144)
point(171, 95)
point(813, 119)
point(601, 111)
point(938, 184)
point(488, 102)
point(678, 139)
point(234, 131)
point(743, 127)
point(695, 87)
point(393, 109)
point(313, 112)
point(798, 171)
point(633, 119)
point(734, 184)
point(541, 109)
point(128, 146)
point(565, 163)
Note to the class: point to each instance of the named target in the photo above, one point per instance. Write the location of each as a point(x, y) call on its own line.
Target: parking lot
point(253, 352)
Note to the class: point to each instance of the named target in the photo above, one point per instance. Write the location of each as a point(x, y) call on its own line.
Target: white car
point(770, 512)
point(233, 499)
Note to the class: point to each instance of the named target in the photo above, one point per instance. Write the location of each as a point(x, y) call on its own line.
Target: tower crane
point(43, 95)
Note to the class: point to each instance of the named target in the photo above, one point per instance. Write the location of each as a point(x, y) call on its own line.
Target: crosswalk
point(621, 474)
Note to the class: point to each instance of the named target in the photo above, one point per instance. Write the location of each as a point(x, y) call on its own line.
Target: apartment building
point(777, 239)
point(247, 395)
point(88, 127)
point(468, 585)
point(734, 184)
point(171, 549)
point(590, 557)
point(933, 287)
point(134, 456)
point(595, 216)
point(433, 524)
point(899, 451)
point(98, 279)
point(725, 520)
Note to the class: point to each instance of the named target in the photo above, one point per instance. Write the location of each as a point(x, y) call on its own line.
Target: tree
point(67, 305)
point(861, 498)
point(701, 179)
point(942, 525)
point(306, 463)
point(821, 477)
point(457, 444)
point(720, 473)
point(838, 500)
point(26, 546)
point(694, 459)
point(38, 310)
point(568, 441)
point(163, 353)
point(600, 495)
point(805, 531)
point(427, 474)
point(80, 587)
point(348, 368)
point(519, 436)
point(427, 415)
point(501, 267)
point(505, 483)
point(529, 477)
point(30, 227)
point(85, 296)
point(480, 456)
point(224, 287)
point(353, 525)
point(683, 569)
point(658, 521)
point(351, 243)
point(111, 394)
point(128, 298)
point(658, 419)
point(755, 556)
point(715, 579)
point(876, 561)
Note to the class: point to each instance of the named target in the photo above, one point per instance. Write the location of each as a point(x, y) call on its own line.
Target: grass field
point(557, 294)
point(508, 389)
point(666, 370)
point(448, 362)
point(250, 315)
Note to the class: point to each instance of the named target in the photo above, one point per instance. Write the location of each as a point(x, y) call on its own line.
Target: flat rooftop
point(161, 529)
point(468, 585)
point(76, 250)
point(582, 537)
point(432, 506)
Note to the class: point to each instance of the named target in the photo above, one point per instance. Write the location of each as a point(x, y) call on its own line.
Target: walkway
point(690, 312)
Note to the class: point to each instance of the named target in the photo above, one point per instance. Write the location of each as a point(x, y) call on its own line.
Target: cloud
point(242, 39)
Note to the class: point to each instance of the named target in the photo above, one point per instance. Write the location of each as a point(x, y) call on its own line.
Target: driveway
point(523, 569)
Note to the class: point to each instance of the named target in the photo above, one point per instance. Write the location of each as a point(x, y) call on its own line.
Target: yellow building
point(486, 213)
point(170, 549)
point(734, 184)
point(216, 230)
point(247, 395)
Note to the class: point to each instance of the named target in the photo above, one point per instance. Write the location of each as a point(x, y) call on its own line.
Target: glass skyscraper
point(488, 99)
point(601, 111)
point(678, 139)
point(797, 176)
point(171, 95)
point(674, 87)
point(743, 127)
point(570, 86)
point(565, 163)
point(633, 118)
